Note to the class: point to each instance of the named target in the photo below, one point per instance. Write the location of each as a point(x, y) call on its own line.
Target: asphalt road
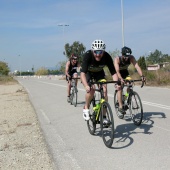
point(145, 147)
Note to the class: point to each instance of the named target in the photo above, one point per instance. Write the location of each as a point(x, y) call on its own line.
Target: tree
point(61, 65)
point(76, 48)
point(155, 57)
point(114, 53)
point(142, 63)
point(41, 71)
point(4, 69)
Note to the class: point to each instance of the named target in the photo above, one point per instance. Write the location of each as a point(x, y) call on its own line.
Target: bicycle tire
point(116, 106)
point(136, 108)
point(107, 135)
point(91, 124)
point(71, 96)
point(75, 97)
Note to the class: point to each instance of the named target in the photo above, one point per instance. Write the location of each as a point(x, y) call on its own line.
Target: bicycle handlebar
point(100, 83)
point(132, 81)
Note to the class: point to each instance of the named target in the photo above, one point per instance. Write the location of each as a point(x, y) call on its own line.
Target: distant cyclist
point(94, 61)
point(121, 64)
point(71, 72)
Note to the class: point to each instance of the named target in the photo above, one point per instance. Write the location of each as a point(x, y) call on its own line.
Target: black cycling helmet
point(126, 51)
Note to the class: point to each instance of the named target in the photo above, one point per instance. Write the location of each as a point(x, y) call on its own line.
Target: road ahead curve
point(72, 147)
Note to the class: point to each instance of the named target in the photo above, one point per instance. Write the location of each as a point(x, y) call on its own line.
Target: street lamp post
point(63, 25)
point(19, 65)
point(123, 40)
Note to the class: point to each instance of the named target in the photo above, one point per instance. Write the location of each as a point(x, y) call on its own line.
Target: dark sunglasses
point(98, 51)
point(74, 58)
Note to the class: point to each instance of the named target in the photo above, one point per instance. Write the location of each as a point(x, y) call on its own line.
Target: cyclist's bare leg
point(119, 96)
point(105, 92)
point(88, 98)
point(75, 75)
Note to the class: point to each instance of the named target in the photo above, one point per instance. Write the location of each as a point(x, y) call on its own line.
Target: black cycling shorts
point(95, 76)
point(124, 73)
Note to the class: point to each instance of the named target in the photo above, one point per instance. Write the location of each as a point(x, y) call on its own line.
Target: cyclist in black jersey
point(71, 71)
point(121, 64)
point(94, 61)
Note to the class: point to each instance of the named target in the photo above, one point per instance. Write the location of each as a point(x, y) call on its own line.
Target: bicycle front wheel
point(71, 96)
point(107, 129)
point(136, 108)
point(75, 97)
point(91, 124)
point(116, 105)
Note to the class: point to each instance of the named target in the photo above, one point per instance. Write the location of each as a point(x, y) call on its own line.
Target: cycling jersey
point(89, 63)
point(72, 69)
point(94, 68)
point(123, 67)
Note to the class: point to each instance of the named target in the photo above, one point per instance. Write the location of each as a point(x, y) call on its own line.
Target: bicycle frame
point(102, 99)
point(130, 84)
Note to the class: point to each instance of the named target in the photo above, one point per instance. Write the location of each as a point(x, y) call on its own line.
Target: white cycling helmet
point(98, 45)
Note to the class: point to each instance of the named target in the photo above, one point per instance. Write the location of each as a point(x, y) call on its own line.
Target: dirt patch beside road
point(22, 145)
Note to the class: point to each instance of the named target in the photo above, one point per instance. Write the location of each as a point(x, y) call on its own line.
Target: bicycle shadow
point(124, 132)
point(80, 104)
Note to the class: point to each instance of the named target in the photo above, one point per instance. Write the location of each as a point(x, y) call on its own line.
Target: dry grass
point(153, 78)
point(7, 80)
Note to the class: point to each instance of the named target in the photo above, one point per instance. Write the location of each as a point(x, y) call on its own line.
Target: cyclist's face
point(98, 54)
point(125, 58)
point(74, 60)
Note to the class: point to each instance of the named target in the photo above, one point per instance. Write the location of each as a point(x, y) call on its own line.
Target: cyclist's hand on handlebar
point(120, 82)
point(87, 89)
point(143, 78)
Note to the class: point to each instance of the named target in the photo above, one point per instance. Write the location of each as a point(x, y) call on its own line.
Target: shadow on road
point(123, 133)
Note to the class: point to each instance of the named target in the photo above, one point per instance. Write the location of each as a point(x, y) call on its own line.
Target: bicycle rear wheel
point(136, 108)
point(91, 124)
point(107, 129)
point(116, 105)
point(74, 97)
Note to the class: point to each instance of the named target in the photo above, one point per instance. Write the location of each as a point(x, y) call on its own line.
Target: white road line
point(45, 116)
point(162, 128)
point(156, 105)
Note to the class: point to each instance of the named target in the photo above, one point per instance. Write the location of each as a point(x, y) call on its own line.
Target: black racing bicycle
point(73, 92)
point(131, 102)
point(99, 110)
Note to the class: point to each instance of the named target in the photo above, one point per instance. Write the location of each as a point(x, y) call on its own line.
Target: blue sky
point(30, 35)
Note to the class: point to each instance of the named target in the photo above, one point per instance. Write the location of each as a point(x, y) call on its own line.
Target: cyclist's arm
point(67, 68)
point(116, 64)
point(84, 81)
point(134, 62)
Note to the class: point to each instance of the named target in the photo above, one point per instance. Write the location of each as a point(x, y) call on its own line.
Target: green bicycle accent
point(99, 112)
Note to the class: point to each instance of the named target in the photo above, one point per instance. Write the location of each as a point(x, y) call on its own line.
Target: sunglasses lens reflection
point(98, 52)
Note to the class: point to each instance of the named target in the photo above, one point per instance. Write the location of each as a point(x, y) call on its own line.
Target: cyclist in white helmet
point(94, 61)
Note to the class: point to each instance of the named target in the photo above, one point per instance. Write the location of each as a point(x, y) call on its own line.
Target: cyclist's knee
point(118, 87)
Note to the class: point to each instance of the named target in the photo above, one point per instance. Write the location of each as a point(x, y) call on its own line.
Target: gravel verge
point(22, 145)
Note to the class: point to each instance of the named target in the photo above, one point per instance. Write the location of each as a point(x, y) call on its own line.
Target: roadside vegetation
point(159, 77)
